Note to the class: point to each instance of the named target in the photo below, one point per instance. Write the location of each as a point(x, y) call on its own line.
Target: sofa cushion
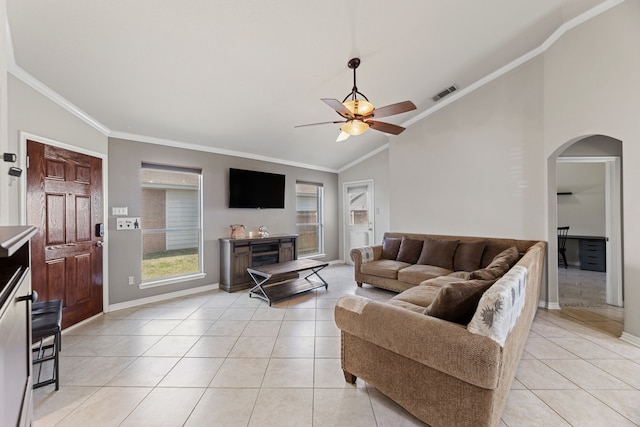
point(418, 295)
point(490, 272)
point(416, 274)
point(438, 252)
point(440, 281)
point(457, 302)
point(410, 250)
point(390, 247)
point(383, 268)
point(465, 275)
point(468, 255)
point(509, 255)
point(492, 249)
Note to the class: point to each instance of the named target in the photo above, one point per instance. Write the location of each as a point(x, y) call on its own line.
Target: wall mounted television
point(256, 190)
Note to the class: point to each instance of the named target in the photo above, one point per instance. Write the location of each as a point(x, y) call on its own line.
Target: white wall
point(592, 81)
point(473, 168)
point(4, 132)
point(485, 164)
point(584, 209)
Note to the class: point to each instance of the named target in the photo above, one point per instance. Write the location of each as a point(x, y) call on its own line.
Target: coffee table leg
point(259, 280)
point(314, 272)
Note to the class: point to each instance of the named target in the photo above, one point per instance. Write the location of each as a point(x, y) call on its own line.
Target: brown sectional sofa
point(440, 369)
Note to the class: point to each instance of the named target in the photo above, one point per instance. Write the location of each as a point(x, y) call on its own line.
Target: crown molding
point(207, 149)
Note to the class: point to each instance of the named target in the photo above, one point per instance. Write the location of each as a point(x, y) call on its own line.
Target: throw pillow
point(438, 252)
point(457, 302)
point(491, 272)
point(468, 256)
point(509, 255)
point(491, 250)
point(409, 250)
point(390, 247)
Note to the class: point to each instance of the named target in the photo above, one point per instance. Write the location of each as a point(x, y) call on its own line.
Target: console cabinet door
point(241, 261)
point(287, 251)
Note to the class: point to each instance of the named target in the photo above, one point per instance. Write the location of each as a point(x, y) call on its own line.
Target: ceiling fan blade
point(338, 106)
point(385, 127)
point(343, 136)
point(321, 123)
point(390, 110)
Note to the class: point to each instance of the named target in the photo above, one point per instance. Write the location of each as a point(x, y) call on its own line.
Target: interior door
point(358, 210)
point(65, 202)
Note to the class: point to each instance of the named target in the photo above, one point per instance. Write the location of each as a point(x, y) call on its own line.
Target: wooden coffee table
point(276, 290)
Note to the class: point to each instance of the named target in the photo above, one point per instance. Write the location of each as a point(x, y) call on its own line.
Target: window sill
point(313, 256)
point(172, 280)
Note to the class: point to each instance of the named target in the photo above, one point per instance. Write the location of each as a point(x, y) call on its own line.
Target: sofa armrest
point(445, 346)
point(365, 254)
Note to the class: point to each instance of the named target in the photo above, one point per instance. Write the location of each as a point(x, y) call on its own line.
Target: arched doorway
point(589, 149)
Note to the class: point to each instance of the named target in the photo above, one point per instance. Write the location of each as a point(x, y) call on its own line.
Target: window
point(171, 224)
point(309, 219)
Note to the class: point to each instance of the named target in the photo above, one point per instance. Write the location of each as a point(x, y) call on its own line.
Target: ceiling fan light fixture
point(342, 137)
point(354, 127)
point(359, 107)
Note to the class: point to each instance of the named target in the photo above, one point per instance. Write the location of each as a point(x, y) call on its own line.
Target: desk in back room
point(592, 252)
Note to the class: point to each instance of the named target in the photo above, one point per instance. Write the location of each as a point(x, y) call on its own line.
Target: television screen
point(257, 190)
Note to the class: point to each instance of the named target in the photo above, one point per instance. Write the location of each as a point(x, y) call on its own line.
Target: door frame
point(345, 213)
point(22, 150)
point(613, 220)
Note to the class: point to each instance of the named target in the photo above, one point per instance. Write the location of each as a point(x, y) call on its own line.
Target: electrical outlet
point(127, 223)
point(132, 280)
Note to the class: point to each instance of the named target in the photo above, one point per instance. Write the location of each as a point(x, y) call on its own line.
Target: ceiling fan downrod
point(354, 63)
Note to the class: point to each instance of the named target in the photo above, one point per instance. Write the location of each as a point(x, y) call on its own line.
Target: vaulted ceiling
point(237, 76)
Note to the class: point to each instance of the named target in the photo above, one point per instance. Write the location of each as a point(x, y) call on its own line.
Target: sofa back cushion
point(410, 250)
point(438, 252)
point(500, 306)
point(390, 247)
point(509, 255)
point(457, 302)
point(500, 265)
point(492, 249)
point(468, 255)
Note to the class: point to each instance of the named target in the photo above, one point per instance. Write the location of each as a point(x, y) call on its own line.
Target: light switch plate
point(127, 223)
point(120, 211)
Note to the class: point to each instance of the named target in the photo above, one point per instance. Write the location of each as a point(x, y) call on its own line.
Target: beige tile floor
point(219, 359)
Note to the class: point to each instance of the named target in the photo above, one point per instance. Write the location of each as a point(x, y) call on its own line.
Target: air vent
point(445, 92)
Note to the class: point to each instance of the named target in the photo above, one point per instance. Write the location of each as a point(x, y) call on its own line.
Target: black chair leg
point(564, 258)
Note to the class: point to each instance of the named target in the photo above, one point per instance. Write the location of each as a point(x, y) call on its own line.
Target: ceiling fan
point(358, 114)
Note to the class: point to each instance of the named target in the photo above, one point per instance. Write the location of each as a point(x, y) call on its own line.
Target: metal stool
point(46, 321)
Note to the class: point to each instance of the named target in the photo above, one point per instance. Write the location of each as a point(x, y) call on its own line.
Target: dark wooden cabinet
point(236, 255)
point(15, 326)
point(593, 254)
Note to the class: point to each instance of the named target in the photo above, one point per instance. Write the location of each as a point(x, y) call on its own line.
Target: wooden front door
point(64, 200)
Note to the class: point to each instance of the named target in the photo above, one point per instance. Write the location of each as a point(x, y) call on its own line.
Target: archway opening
point(584, 193)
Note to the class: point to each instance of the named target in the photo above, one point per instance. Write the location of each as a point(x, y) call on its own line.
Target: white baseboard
point(163, 297)
point(631, 339)
point(549, 305)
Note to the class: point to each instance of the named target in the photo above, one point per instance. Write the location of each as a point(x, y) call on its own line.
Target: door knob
point(100, 244)
point(33, 296)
